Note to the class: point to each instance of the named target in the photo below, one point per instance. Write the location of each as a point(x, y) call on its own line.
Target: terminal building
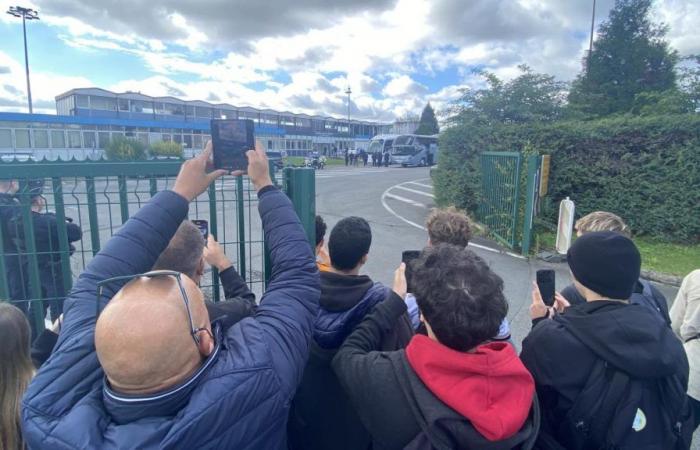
point(86, 120)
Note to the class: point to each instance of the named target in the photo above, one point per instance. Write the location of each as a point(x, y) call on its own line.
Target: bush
point(121, 148)
point(646, 169)
point(162, 148)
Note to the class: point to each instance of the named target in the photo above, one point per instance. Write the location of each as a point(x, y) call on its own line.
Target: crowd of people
point(361, 156)
point(330, 359)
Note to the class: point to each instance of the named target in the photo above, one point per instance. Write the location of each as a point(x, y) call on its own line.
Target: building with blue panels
point(87, 119)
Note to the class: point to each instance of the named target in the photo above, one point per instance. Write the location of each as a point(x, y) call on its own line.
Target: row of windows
point(22, 138)
point(65, 106)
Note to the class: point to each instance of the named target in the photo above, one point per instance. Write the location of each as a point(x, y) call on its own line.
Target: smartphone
point(231, 139)
point(407, 257)
point(545, 281)
point(203, 226)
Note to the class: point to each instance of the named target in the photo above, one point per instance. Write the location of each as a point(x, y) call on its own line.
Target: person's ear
point(206, 343)
point(363, 261)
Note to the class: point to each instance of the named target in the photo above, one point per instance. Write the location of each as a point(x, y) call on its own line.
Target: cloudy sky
point(301, 55)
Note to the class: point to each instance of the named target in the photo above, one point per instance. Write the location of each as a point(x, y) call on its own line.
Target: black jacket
point(395, 405)
point(322, 416)
point(627, 336)
point(239, 302)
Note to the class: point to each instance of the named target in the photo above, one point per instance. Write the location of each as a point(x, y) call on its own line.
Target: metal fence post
point(63, 244)
point(214, 230)
point(530, 193)
point(300, 187)
point(31, 255)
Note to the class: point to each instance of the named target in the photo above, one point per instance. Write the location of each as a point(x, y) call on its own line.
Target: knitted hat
point(605, 262)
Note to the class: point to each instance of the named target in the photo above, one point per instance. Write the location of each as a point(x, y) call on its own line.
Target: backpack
point(616, 411)
point(649, 298)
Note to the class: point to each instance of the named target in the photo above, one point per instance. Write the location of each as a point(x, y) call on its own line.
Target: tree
point(630, 56)
point(530, 97)
point(428, 122)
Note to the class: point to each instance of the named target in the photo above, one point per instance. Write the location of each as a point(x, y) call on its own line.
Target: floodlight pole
point(348, 91)
point(25, 13)
point(590, 44)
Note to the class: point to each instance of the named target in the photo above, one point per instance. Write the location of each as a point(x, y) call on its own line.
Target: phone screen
point(407, 257)
point(545, 281)
point(203, 226)
point(231, 140)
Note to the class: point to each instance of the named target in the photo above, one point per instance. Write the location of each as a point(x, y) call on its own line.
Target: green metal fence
point(500, 195)
point(100, 196)
point(505, 209)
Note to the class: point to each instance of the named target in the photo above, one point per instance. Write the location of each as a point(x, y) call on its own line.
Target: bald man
point(142, 376)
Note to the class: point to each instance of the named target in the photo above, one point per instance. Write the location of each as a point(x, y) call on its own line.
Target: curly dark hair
point(449, 226)
point(349, 241)
point(459, 296)
point(320, 229)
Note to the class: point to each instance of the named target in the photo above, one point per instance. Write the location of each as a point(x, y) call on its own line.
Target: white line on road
point(406, 200)
point(386, 195)
point(415, 191)
point(419, 184)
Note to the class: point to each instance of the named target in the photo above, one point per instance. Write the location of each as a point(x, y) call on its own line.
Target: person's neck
point(352, 272)
point(599, 298)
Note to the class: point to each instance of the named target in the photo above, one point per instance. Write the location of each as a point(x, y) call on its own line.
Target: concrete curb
point(662, 278)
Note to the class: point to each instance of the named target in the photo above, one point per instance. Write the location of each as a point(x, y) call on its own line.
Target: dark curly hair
point(459, 296)
point(350, 240)
point(320, 229)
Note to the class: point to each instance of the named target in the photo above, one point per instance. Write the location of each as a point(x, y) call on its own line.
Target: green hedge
point(121, 148)
point(162, 148)
point(646, 169)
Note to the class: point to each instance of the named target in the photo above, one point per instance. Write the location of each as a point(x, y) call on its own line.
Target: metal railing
point(99, 196)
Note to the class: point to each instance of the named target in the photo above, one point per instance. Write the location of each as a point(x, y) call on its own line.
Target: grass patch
point(664, 257)
point(298, 161)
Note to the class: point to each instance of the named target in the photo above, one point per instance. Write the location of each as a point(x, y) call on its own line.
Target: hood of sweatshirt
point(345, 300)
point(628, 336)
point(490, 386)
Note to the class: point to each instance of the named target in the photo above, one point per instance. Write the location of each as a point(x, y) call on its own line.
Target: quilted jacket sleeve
point(290, 303)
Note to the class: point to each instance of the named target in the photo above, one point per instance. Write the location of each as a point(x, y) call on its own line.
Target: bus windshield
point(404, 150)
point(375, 147)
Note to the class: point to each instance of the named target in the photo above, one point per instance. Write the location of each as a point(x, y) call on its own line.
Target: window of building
point(58, 139)
point(103, 139)
point(143, 138)
point(177, 138)
point(187, 138)
point(167, 137)
point(41, 139)
point(5, 138)
point(82, 101)
point(73, 139)
point(89, 139)
point(287, 121)
point(103, 103)
point(189, 110)
point(123, 104)
point(22, 138)
point(288, 145)
point(303, 123)
point(174, 109)
point(269, 145)
point(139, 106)
point(206, 138)
point(203, 112)
point(197, 141)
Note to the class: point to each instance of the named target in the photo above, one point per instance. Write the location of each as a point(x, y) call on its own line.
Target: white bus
point(414, 150)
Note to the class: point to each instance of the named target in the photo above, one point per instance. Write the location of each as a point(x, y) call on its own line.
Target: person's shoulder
point(549, 334)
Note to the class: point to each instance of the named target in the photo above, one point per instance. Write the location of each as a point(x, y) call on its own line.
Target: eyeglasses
point(194, 332)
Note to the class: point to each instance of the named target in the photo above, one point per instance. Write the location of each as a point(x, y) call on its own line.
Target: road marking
point(419, 184)
point(415, 191)
point(405, 200)
point(386, 195)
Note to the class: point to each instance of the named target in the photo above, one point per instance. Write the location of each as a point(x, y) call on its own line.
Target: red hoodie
point(490, 387)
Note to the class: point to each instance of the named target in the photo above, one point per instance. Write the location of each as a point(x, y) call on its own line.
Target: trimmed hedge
point(170, 149)
point(121, 148)
point(646, 169)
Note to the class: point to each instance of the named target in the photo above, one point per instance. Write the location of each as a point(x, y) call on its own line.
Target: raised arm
point(290, 303)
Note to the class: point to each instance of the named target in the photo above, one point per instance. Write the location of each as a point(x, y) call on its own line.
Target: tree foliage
point(121, 148)
point(629, 56)
point(530, 97)
point(162, 148)
point(428, 122)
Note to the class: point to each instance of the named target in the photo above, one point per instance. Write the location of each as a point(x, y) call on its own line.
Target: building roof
point(139, 96)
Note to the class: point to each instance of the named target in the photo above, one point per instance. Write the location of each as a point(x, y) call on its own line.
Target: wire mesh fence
point(57, 215)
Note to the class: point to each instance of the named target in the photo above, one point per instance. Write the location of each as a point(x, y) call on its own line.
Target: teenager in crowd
point(453, 388)
point(607, 375)
point(322, 416)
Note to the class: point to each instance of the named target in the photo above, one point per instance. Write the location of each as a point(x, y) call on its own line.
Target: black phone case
point(229, 154)
point(545, 282)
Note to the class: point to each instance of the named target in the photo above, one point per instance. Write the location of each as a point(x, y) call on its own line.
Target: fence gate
point(99, 196)
point(500, 201)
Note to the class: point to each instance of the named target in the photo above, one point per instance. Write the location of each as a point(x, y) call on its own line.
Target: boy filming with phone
point(607, 375)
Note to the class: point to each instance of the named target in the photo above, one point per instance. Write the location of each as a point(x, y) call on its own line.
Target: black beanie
point(605, 262)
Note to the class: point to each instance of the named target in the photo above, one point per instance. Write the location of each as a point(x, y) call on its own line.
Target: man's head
point(460, 298)
point(8, 187)
point(320, 233)
point(349, 244)
point(605, 265)
point(143, 337)
point(449, 226)
point(185, 252)
point(601, 221)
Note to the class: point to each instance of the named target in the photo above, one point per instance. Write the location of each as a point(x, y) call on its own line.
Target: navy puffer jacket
point(240, 396)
